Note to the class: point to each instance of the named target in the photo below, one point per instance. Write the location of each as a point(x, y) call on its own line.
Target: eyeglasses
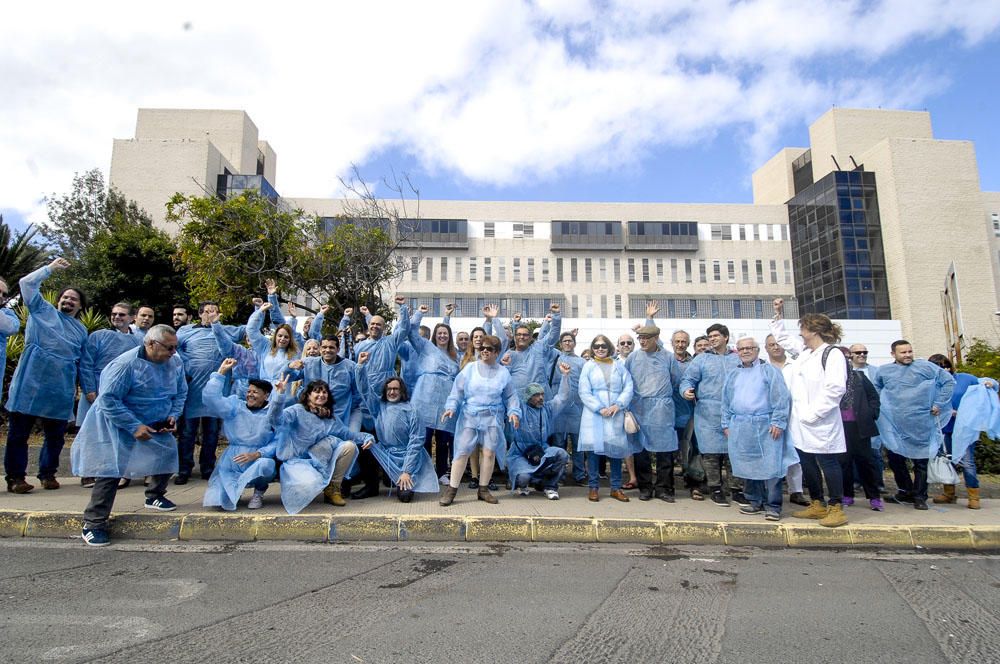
point(118, 314)
point(747, 349)
point(626, 343)
point(859, 352)
point(600, 346)
point(643, 337)
point(491, 349)
point(169, 349)
point(522, 334)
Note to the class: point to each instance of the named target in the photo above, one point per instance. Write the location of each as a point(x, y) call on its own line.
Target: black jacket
point(866, 407)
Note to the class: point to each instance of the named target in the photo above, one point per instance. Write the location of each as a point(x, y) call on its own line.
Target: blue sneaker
point(95, 537)
point(162, 504)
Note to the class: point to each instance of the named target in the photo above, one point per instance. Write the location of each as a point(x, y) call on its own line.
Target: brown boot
point(18, 485)
point(486, 496)
point(947, 496)
point(834, 516)
point(49, 483)
point(593, 496)
point(447, 496)
point(618, 494)
point(332, 496)
point(816, 510)
point(973, 498)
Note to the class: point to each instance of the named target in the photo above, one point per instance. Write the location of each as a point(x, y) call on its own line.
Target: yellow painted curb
point(807, 536)
point(12, 523)
point(941, 537)
point(145, 526)
point(364, 528)
point(692, 532)
point(300, 528)
point(628, 531)
point(432, 528)
point(498, 529)
point(986, 538)
point(233, 528)
point(754, 534)
point(882, 537)
point(565, 529)
point(53, 524)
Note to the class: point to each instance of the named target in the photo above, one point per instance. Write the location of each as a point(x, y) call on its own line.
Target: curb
point(356, 528)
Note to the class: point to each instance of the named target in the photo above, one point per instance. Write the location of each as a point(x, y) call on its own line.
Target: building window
point(444, 268)
point(743, 232)
point(489, 229)
point(788, 271)
point(517, 269)
point(604, 306)
point(588, 270)
point(659, 270)
point(487, 269)
point(673, 270)
point(631, 270)
point(731, 271)
point(502, 268)
point(603, 267)
point(722, 232)
point(618, 270)
point(759, 264)
point(575, 307)
point(458, 269)
point(745, 271)
point(996, 223)
point(589, 307)
point(529, 231)
point(545, 270)
point(559, 270)
point(774, 272)
point(618, 306)
point(472, 268)
point(574, 275)
point(702, 271)
point(716, 271)
point(645, 270)
point(531, 270)
point(688, 277)
point(429, 269)
point(414, 264)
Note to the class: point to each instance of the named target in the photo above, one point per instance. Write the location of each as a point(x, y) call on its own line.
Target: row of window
point(638, 270)
point(750, 232)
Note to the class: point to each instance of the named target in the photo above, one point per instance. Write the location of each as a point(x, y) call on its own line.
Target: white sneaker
point(444, 480)
point(524, 491)
point(256, 500)
point(552, 494)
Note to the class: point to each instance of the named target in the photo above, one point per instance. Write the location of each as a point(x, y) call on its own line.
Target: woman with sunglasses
point(606, 390)
point(479, 396)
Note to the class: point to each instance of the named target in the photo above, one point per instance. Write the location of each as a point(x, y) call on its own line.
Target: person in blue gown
point(531, 462)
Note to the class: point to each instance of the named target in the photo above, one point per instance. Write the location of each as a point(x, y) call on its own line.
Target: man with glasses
point(859, 362)
point(530, 360)
point(44, 383)
point(755, 407)
point(779, 359)
point(567, 423)
point(625, 346)
point(10, 324)
point(130, 430)
point(702, 383)
point(102, 347)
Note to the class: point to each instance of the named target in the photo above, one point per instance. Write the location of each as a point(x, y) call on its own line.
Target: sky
point(556, 100)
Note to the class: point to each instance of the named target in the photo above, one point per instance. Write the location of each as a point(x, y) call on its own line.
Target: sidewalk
point(517, 518)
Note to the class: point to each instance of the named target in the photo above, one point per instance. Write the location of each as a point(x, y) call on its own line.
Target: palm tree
point(18, 254)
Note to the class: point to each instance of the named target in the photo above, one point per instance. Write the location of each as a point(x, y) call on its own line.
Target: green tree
point(18, 254)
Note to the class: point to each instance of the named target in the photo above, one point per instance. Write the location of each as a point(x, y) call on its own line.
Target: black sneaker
point(919, 504)
point(492, 486)
point(751, 509)
point(900, 498)
point(740, 499)
point(474, 483)
point(719, 498)
point(666, 497)
point(645, 495)
point(161, 504)
point(181, 479)
point(95, 537)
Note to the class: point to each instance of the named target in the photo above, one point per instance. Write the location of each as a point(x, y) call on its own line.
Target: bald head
point(376, 326)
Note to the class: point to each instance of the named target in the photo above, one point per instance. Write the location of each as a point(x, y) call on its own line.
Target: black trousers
point(662, 480)
point(917, 487)
point(859, 455)
point(102, 498)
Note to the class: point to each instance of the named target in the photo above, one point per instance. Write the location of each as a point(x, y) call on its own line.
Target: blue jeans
point(209, 442)
point(967, 463)
point(594, 473)
point(15, 458)
point(831, 472)
point(551, 470)
point(765, 493)
point(579, 464)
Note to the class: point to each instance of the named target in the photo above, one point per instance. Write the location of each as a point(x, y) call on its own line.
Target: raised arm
point(260, 344)
point(372, 402)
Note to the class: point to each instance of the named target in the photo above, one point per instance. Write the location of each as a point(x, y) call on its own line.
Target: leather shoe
point(798, 499)
point(666, 497)
point(364, 492)
point(19, 486)
point(181, 479)
point(49, 483)
point(645, 495)
point(592, 496)
point(618, 494)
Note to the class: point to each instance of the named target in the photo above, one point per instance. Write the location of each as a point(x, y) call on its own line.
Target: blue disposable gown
point(483, 397)
point(978, 410)
point(246, 360)
point(435, 374)
point(654, 377)
point(133, 391)
point(382, 352)
point(400, 444)
point(269, 365)
point(44, 383)
point(9, 326)
point(683, 409)
point(307, 446)
point(753, 400)
point(339, 377)
point(604, 435)
point(535, 428)
point(907, 393)
point(102, 347)
point(197, 346)
point(247, 431)
point(706, 375)
point(568, 419)
point(534, 363)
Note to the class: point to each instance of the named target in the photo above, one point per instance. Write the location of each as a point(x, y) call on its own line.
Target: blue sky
point(543, 100)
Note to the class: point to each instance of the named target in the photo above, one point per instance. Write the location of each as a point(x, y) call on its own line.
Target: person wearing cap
point(655, 373)
point(531, 462)
point(567, 423)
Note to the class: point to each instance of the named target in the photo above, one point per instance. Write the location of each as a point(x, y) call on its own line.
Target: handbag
point(941, 471)
point(631, 422)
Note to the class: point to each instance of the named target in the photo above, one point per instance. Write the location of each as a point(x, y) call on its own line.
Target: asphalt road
point(64, 602)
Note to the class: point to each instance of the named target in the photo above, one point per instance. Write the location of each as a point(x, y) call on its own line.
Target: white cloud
point(495, 92)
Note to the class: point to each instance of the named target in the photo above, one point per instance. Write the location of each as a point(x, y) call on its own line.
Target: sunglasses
point(859, 352)
point(170, 349)
point(600, 346)
point(488, 348)
point(626, 343)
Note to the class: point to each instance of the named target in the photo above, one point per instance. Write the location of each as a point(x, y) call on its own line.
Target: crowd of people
point(422, 411)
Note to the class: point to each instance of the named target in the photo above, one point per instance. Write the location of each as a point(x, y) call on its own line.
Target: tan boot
point(973, 498)
point(947, 496)
point(447, 496)
point(834, 517)
point(486, 496)
point(331, 495)
point(816, 510)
